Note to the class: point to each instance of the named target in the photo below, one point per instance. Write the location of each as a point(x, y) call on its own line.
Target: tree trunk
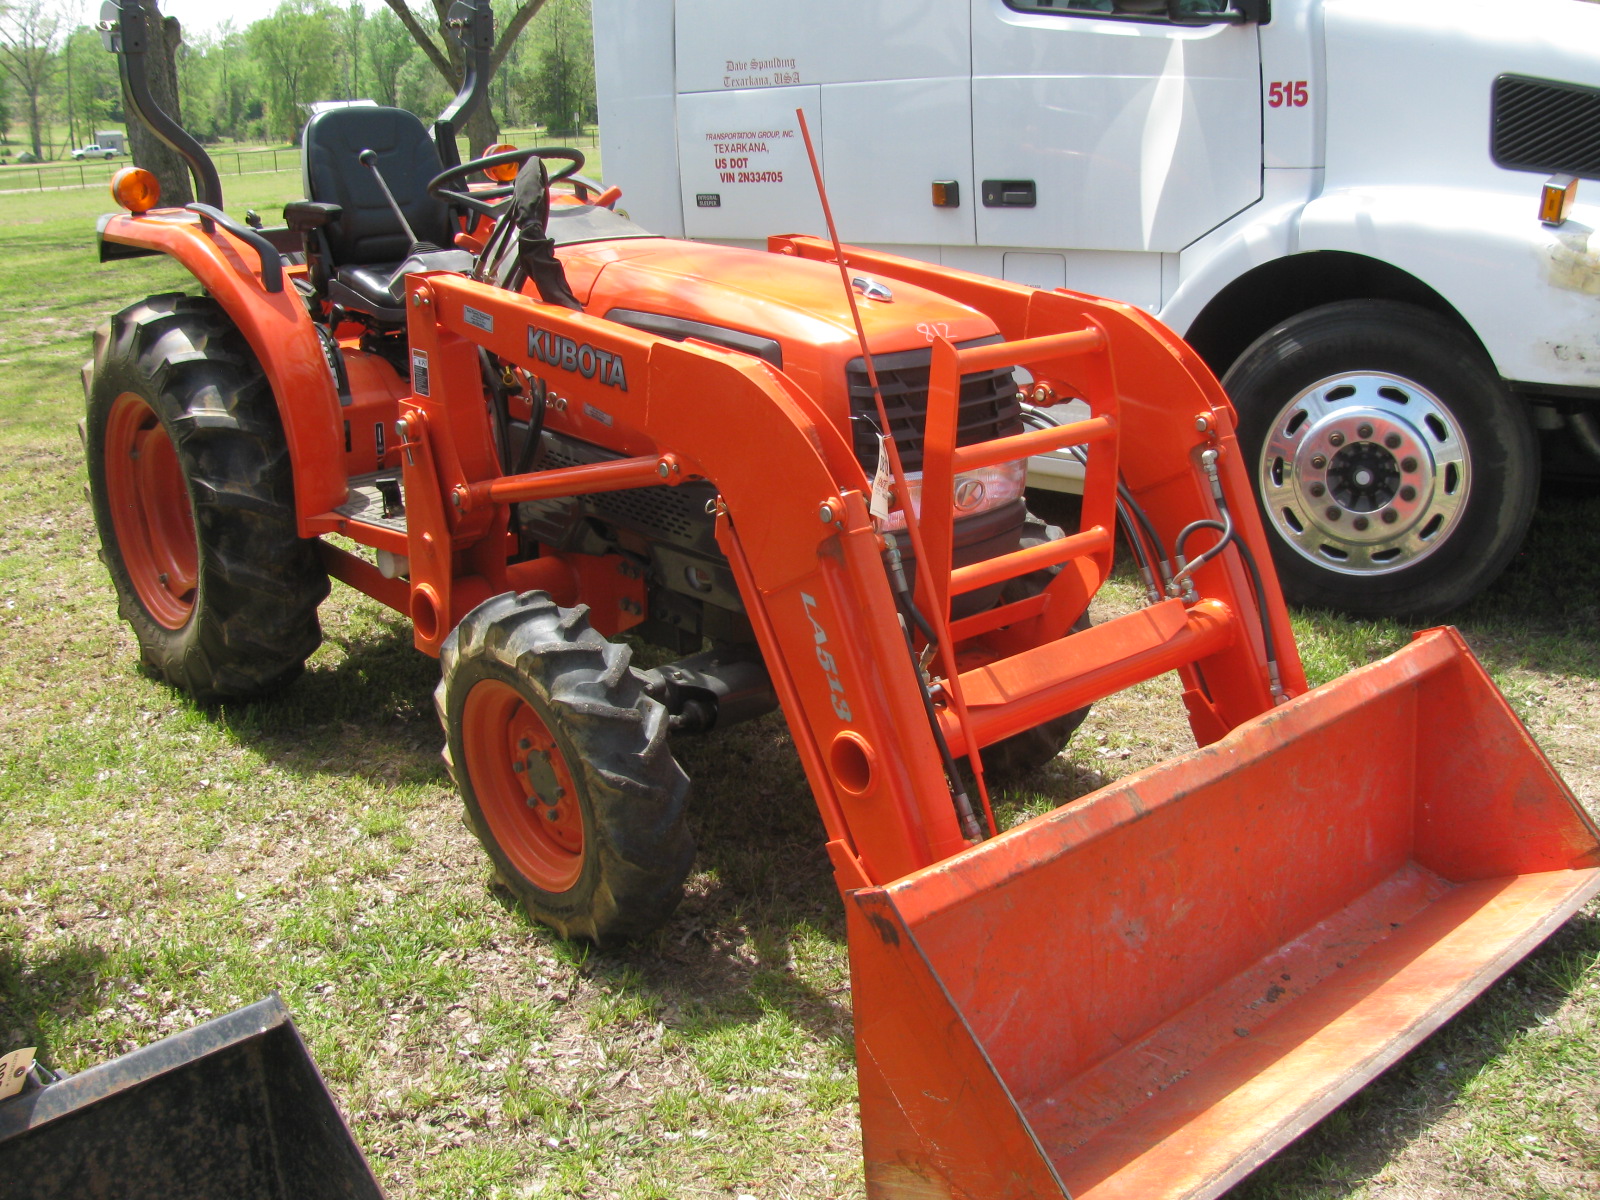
point(149, 151)
point(482, 129)
point(35, 126)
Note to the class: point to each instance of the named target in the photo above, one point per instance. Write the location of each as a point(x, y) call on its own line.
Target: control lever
point(370, 159)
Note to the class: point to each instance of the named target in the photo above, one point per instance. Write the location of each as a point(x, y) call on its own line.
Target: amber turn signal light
point(1556, 197)
point(502, 172)
point(135, 189)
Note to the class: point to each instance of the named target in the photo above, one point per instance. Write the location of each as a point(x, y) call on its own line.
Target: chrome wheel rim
point(1365, 473)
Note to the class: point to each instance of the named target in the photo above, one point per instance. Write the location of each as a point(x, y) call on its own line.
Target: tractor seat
point(381, 290)
point(365, 252)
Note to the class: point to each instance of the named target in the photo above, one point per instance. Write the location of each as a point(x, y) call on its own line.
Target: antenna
point(938, 632)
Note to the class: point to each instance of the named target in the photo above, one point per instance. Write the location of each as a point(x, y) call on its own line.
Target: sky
point(203, 16)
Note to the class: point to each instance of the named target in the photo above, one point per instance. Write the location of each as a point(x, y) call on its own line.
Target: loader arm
point(793, 521)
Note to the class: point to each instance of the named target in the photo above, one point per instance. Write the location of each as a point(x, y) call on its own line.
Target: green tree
point(561, 92)
point(294, 49)
point(234, 91)
point(388, 48)
point(30, 37)
point(449, 60)
point(351, 22)
point(90, 86)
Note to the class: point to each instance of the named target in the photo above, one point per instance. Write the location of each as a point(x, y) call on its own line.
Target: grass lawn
point(160, 864)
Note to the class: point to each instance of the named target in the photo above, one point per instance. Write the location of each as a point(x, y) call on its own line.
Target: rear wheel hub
point(1364, 474)
point(150, 509)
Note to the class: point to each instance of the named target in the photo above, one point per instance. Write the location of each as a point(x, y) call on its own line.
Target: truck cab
point(1340, 204)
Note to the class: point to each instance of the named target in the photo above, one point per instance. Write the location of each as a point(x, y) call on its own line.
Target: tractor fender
point(280, 332)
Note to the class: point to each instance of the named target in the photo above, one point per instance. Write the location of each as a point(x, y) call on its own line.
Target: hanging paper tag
point(14, 1069)
point(882, 482)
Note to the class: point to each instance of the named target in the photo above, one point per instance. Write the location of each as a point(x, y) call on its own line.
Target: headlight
point(973, 491)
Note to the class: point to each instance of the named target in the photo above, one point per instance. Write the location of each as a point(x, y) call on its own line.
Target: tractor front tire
point(563, 763)
point(189, 478)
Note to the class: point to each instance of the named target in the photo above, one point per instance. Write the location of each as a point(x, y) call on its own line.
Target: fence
point(45, 177)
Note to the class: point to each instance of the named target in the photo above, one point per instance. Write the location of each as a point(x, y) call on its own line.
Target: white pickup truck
point(95, 151)
point(1337, 202)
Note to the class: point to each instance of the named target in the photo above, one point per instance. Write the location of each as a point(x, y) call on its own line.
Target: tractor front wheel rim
point(523, 786)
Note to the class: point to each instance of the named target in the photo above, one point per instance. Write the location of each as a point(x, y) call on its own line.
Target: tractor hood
point(790, 311)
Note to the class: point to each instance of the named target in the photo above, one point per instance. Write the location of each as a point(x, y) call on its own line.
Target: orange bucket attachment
point(1148, 992)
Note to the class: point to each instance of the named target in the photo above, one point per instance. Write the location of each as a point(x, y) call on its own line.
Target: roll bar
point(125, 31)
point(470, 22)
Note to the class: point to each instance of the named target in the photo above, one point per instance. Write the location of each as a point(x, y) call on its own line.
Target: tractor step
point(375, 500)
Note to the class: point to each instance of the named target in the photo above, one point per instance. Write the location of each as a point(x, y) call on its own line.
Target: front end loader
point(534, 428)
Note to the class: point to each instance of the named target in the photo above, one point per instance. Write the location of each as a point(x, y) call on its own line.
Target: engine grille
point(676, 515)
point(1543, 125)
point(989, 406)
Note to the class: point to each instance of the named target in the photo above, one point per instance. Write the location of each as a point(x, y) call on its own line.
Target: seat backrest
point(367, 231)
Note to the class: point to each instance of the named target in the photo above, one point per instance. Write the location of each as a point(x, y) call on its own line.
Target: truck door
point(884, 86)
point(1098, 127)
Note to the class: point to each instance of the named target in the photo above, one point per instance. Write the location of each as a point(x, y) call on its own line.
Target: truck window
point(1135, 10)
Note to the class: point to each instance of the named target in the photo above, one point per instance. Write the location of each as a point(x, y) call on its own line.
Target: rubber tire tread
point(633, 794)
point(254, 622)
point(1402, 339)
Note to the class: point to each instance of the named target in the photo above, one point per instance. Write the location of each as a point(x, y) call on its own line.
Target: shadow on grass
point(762, 877)
point(367, 715)
point(1355, 1142)
point(761, 927)
point(1544, 612)
point(38, 994)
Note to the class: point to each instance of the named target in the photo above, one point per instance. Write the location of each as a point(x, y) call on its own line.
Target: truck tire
point(1396, 474)
point(563, 763)
point(190, 481)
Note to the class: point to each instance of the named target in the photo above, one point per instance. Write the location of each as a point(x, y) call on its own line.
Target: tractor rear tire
point(189, 478)
point(563, 763)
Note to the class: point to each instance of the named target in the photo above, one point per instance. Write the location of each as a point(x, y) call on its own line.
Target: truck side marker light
point(1555, 199)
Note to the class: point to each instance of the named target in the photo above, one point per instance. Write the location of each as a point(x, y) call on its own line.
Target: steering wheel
point(439, 187)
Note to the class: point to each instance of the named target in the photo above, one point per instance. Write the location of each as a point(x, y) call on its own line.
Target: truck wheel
point(190, 482)
point(563, 763)
point(1396, 475)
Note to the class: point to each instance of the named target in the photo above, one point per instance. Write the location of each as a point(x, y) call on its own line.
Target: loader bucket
point(1148, 992)
point(233, 1108)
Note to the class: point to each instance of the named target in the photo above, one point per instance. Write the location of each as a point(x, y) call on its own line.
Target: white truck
point(1339, 203)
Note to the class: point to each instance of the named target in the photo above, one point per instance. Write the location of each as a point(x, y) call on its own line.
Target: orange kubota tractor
point(801, 471)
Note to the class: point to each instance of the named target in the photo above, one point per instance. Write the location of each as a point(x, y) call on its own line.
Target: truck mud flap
point(1148, 992)
point(233, 1108)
